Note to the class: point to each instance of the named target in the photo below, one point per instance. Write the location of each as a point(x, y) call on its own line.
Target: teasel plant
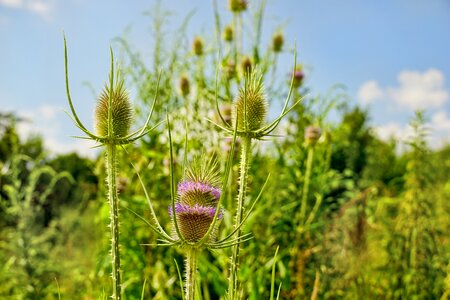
point(195, 211)
point(250, 109)
point(113, 119)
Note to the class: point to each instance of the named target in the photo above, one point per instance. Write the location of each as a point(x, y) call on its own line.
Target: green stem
point(191, 272)
point(306, 183)
point(114, 218)
point(244, 166)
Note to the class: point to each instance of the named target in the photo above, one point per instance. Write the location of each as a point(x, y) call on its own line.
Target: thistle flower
point(312, 135)
point(198, 196)
point(197, 46)
point(228, 33)
point(277, 42)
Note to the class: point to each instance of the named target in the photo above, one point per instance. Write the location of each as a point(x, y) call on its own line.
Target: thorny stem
point(244, 166)
point(306, 183)
point(191, 272)
point(114, 218)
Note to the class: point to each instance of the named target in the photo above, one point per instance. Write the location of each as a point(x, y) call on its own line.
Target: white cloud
point(44, 122)
point(11, 3)
point(42, 8)
point(369, 92)
point(438, 134)
point(415, 90)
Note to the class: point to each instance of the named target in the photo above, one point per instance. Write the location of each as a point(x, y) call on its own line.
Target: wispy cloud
point(44, 121)
point(438, 135)
point(415, 90)
point(42, 8)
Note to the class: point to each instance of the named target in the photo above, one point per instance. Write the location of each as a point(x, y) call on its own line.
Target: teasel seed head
point(228, 33)
point(198, 196)
point(121, 111)
point(312, 135)
point(277, 42)
point(237, 6)
point(184, 85)
point(197, 46)
point(250, 105)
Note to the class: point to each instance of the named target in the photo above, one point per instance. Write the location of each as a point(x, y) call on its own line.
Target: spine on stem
point(191, 272)
point(244, 166)
point(114, 218)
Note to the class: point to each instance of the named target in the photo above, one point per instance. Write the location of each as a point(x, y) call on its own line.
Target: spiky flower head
point(250, 105)
point(312, 135)
point(237, 6)
point(277, 42)
point(197, 46)
point(198, 196)
point(121, 111)
point(184, 85)
point(228, 33)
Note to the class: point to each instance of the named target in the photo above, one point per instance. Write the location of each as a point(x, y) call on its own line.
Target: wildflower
point(312, 135)
point(246, 65)
point(298, 77)
point(251, 105)
point(198, 197)
point(197, 46)
point(184, 85)
point(237, 6)
point(277, 42)
point(121, 111)
point(228, 33)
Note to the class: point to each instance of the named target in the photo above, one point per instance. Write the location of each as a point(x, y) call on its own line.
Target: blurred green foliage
point(377, 220)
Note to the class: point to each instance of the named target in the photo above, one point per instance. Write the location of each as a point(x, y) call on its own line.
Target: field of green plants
point(225, 179)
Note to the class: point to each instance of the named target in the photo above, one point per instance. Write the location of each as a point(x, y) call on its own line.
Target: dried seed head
point(184, 85)
point(277, 42)
point(228, 33)
point(121, 111)
point(312, 135)
point(250, 105)
point(197, 46)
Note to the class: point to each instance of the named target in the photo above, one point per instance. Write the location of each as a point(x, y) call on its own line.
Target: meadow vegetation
point(255, 186)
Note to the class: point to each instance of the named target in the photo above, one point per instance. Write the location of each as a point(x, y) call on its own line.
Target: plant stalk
point(114, 218)
point(191, 272)
point(306, 183)
point(244, 166)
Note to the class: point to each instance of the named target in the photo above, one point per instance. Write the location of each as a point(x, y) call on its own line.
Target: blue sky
point(393, 56)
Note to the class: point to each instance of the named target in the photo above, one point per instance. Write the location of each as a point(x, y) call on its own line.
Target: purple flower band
point(188, 186)
point(196, 209)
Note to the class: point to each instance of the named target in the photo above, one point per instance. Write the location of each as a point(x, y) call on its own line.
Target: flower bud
point(121, 112)
point(312, 135)
point(246, 65)
point(228, 33)
point(277, 42)
point(237, 6)
point(298, 77)
point(251, 105)
point(184, 85)
point(197, 46)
